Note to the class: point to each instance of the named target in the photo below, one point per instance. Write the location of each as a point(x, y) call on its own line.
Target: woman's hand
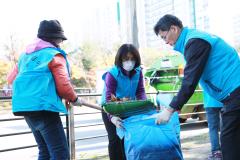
point(117, 122)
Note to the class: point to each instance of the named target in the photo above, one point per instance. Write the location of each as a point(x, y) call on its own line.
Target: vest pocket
point(31, 85)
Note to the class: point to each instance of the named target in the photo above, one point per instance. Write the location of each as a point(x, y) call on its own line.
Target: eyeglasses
point(165, 36)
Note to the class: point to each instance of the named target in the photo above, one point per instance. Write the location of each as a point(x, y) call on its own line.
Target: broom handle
point(94, 106)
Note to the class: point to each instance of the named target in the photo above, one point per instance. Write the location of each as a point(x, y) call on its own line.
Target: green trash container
point(125, 109)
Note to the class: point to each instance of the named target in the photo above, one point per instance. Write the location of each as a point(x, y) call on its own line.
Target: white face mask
point(128, 65)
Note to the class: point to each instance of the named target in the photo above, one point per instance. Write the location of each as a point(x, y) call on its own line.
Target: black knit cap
point(50, 29)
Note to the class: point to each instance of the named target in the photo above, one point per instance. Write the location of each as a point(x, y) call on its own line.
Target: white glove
point(117, 121)
point(164, 115)
point(78, 102)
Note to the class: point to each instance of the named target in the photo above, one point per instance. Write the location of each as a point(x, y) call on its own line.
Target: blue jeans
point(49, 134)
point(214, 122)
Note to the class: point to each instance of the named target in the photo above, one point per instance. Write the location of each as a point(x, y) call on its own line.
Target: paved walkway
point(194, 142)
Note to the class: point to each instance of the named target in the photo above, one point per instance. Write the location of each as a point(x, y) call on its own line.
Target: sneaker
point(216, 155)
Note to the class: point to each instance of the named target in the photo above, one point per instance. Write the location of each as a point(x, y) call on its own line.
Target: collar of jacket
point(179, 45)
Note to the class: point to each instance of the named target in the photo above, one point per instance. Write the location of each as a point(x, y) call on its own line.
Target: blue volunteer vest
point(34, 87)
point(126, 87)
point(221, 73)
point(210, 102)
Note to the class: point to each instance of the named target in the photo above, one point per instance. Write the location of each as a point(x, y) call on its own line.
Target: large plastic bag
point(144, 140)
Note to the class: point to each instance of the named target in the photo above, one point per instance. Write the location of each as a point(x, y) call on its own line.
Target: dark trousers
point(49, 134)
point(115, 144)
point(230, 130)
point(230, 135)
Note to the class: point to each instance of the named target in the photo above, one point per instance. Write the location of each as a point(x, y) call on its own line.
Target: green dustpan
point(128, 108)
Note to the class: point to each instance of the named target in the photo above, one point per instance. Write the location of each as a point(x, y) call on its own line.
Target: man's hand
point(164, 115)
point(117, 122)
point(78, 102)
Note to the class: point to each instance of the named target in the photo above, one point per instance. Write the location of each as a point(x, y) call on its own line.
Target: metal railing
point(70, 126)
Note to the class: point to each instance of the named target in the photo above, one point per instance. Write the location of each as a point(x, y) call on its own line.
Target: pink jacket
point(58, 68)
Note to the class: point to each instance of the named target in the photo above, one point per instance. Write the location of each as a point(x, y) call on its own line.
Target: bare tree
point(11, 49)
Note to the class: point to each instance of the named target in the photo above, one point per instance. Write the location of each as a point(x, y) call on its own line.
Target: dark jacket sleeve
point(196, 55)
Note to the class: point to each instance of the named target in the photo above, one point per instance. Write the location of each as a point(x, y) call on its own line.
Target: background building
point(101, 25)
point(153, 10)
point(217, 17)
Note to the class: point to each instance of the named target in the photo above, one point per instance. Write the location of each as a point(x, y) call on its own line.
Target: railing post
point(71, 133)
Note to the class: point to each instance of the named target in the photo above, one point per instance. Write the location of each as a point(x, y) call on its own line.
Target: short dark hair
point(165, 22)
point(122, 52)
